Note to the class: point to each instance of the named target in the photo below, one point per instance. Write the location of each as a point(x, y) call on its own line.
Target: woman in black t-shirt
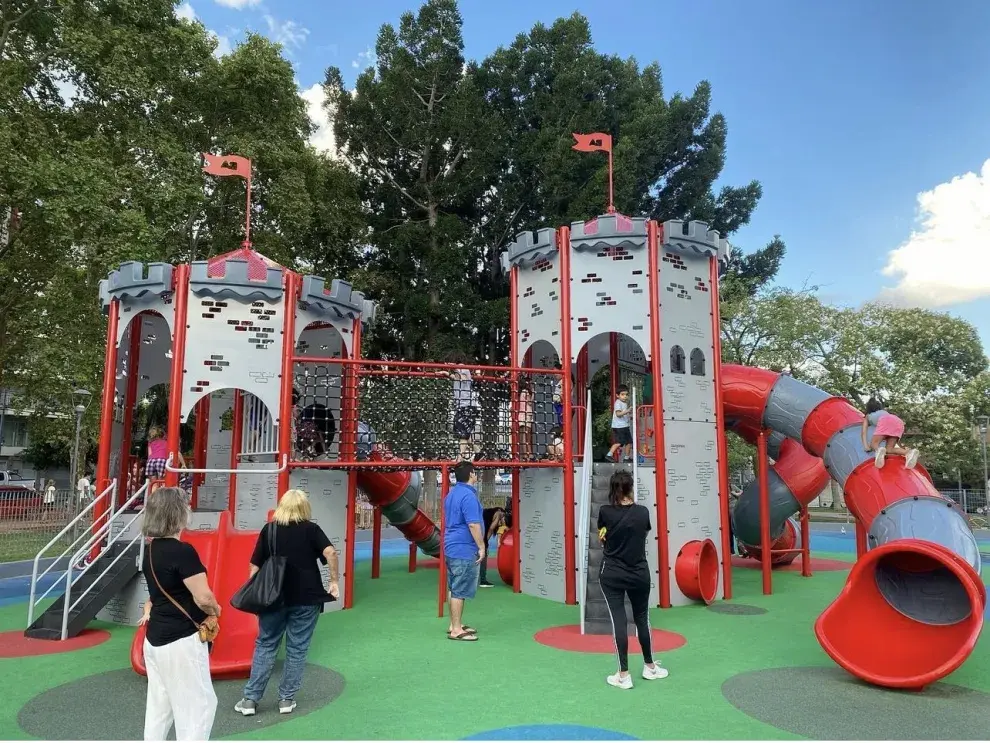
point(301, 542)
point(178, 663)
point(622, 530)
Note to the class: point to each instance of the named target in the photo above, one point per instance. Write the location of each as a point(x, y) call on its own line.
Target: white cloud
point(185, 12)
point(238, 4)
point(322, 139)
point(223, 45)
point(945, 261)
point(287, 33)
point(365, 59)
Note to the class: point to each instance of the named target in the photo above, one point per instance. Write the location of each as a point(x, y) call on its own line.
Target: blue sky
point(848, 112)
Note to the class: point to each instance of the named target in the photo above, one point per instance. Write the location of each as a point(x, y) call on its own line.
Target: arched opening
point(677, 360)
point(697, 363)
point(316, 400)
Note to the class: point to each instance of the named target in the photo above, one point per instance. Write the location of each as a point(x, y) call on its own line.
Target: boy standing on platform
point(621, 431)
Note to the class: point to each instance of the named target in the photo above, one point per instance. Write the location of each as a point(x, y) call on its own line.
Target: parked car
point(18, 496)
point(10, 480)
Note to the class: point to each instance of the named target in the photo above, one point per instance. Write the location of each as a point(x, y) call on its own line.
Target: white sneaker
point(881, 456)
point(620, 682)
point(657, 672)
point(912, 459)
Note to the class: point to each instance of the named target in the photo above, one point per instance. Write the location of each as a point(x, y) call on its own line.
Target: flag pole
point(247, 215)
point(611, 195)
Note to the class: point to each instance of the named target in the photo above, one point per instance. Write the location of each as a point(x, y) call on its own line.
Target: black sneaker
point(246, 707)
point(285, 706)
point(485, 584)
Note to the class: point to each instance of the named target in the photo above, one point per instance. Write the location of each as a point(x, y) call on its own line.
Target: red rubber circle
point(16, 645)
point(569, 637)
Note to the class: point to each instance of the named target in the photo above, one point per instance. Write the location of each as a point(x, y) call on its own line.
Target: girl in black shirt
point(622, 530)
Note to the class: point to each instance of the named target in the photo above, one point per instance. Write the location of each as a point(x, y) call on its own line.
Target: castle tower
point(642, 298)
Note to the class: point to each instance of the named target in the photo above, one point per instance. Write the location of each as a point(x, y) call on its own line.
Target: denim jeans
point(297, 623)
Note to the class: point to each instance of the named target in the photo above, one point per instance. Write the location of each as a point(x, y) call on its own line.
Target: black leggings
point(639, 599)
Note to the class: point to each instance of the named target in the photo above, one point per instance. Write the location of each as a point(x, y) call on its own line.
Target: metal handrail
point(32, 602)
point(170, 468)
point(585, 501)
point(635, 448)
point(93, 540)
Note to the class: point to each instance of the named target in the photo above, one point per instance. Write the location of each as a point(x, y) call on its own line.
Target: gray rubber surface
point(78, 710)
point(721, 607)
point(829, 704)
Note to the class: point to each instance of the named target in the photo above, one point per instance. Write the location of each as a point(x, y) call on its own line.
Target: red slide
point(226, 554)
point(912, 608)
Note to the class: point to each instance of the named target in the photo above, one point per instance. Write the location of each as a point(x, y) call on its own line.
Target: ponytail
point(619, 487)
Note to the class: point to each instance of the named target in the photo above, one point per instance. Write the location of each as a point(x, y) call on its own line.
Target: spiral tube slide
point(796, 478)
point(911, 611)
point(397, 493)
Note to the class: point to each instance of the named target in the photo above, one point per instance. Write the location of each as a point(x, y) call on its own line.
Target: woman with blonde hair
point(294, 536)
point(180, 690)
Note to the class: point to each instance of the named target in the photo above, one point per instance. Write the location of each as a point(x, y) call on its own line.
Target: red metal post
point(106, 419)
point(236, 434)
point(581, 379)
point(722, 444)
point(376, 544)
point(130, 400)
point(199, 447)
point(570, 561)
point(348, 449)
point(860, 539)
point(442, 567)
point(653, 237)
point(514, 361)
point(412, 557)
point(291, 286)
point(763, 473)
point(805, 543)
point(178, 375)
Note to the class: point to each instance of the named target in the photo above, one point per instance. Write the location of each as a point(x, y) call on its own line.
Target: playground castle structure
point(234, 337)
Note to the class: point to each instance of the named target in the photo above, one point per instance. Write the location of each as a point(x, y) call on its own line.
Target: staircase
point(88, 587)
point(101, 581)
point(597, 619)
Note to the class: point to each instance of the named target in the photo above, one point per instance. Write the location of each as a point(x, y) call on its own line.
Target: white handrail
point(635, 448)
point(32, 601)
point(283, 468)
point(90, 543)
point(585, 506)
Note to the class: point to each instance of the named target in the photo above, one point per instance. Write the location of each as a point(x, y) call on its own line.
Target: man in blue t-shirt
point(463, 547)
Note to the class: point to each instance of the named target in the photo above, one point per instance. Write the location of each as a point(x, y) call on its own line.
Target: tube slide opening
point(696, 570)
point(922, 588)
point(880, 628)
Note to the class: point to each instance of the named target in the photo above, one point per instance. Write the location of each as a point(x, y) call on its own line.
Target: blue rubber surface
point(550, 732)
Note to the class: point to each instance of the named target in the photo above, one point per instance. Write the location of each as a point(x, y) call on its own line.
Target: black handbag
point(263, 590)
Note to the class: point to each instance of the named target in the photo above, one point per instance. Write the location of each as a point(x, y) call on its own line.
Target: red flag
point(224, 165)
point(596, 142)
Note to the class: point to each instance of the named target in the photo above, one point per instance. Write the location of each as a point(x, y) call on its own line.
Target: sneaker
point(285, 706)
point(486, 584)
point(912, 459)
point(620, 682)
point(881, 456)
point(246, 707)
point(657, 672)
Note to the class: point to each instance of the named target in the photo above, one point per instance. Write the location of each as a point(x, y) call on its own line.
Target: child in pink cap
point(886, 435)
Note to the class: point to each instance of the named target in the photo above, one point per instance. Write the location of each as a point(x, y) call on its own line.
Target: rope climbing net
point(347, 413)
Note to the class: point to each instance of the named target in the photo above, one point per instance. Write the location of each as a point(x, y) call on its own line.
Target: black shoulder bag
point(263, 590)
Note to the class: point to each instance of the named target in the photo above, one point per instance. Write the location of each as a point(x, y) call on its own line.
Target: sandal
point(466, 630)
point(465, 636)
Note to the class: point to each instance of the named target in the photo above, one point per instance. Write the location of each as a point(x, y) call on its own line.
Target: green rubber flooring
point(385, 670)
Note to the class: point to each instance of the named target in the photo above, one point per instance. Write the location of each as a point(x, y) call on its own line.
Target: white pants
point(179, 690)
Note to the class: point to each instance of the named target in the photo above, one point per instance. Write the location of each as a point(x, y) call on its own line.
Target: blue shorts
point(462, 577)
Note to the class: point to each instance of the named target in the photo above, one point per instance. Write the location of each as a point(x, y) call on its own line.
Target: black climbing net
point(427, 413)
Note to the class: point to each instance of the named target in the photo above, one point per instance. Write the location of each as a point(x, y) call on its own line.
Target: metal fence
point(29, 519)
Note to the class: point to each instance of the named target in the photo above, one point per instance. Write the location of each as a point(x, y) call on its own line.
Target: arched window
point(677, 360)
point(698, 363)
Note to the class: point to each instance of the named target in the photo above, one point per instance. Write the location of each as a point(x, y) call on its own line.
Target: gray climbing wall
point(689, 411)
point(233, 343)
point(609, 280)
point(541, 525)
point(327, 491)
point(256, 494)
point(214, 491)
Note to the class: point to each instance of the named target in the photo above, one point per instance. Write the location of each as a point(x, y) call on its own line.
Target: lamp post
point(80, 400)
point(983, 421)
